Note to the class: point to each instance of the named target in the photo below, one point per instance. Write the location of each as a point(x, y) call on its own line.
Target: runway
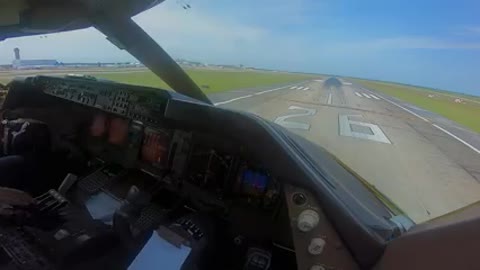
point(426, 164)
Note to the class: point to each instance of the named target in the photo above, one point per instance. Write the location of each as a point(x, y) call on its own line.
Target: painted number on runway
point(358, 129)
point(282, 120)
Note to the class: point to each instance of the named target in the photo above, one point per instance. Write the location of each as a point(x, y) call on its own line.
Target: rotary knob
point(307, 220)
point(316, 246)
point(317, 267)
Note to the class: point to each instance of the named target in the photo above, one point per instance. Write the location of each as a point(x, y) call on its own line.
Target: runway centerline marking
point(293, 87)
point(306, 88)
point(358, 94)
point(329, 101)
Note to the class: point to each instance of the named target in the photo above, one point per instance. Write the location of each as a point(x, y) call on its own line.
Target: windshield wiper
point(124, 33)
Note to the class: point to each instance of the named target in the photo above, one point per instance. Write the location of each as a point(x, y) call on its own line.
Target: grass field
point(466, 113)
point(210, 81)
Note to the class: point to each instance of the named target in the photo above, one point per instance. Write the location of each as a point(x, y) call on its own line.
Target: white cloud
point(195, 32)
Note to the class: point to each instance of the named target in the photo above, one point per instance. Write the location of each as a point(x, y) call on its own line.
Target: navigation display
point(254, 183)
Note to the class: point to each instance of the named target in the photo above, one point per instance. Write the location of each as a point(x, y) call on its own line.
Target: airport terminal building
point(19, 63)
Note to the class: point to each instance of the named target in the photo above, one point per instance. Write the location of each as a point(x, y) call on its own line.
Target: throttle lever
point(127, 213)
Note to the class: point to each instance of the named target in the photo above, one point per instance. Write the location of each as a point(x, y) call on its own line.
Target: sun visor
point(22, 18)
point(10, 12)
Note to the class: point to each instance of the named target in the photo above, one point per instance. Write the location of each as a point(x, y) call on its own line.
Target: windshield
point(390, 89)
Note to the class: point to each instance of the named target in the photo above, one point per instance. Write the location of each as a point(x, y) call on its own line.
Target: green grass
point(467, 114)
point(210, 81)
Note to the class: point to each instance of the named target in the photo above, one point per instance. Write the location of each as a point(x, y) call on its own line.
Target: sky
point(433, 43)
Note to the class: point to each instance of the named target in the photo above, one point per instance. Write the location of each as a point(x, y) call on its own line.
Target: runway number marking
point(361, 130)
point(282, 120)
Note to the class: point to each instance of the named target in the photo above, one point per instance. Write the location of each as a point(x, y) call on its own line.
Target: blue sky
point(430, 43)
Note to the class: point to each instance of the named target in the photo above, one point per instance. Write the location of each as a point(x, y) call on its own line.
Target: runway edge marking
point(405, 109)
point(457, 138)
point(435, 125)
point(232, 100)
point(251, 95)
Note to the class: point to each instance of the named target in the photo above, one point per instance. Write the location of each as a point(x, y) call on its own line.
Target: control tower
point(17, 53)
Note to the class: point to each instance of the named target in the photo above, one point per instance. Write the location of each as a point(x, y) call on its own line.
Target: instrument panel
point(135, 102)
point(126, 128)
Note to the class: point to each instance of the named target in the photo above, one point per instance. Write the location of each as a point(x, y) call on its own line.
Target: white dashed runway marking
point(365, 95)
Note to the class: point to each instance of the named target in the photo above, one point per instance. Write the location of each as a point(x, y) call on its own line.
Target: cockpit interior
point(134, 177)
point(127, 180)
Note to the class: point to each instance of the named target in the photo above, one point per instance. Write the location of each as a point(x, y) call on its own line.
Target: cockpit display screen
point(99, 125)
point(254, 182)
point(118, 131)
point(155, 147)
